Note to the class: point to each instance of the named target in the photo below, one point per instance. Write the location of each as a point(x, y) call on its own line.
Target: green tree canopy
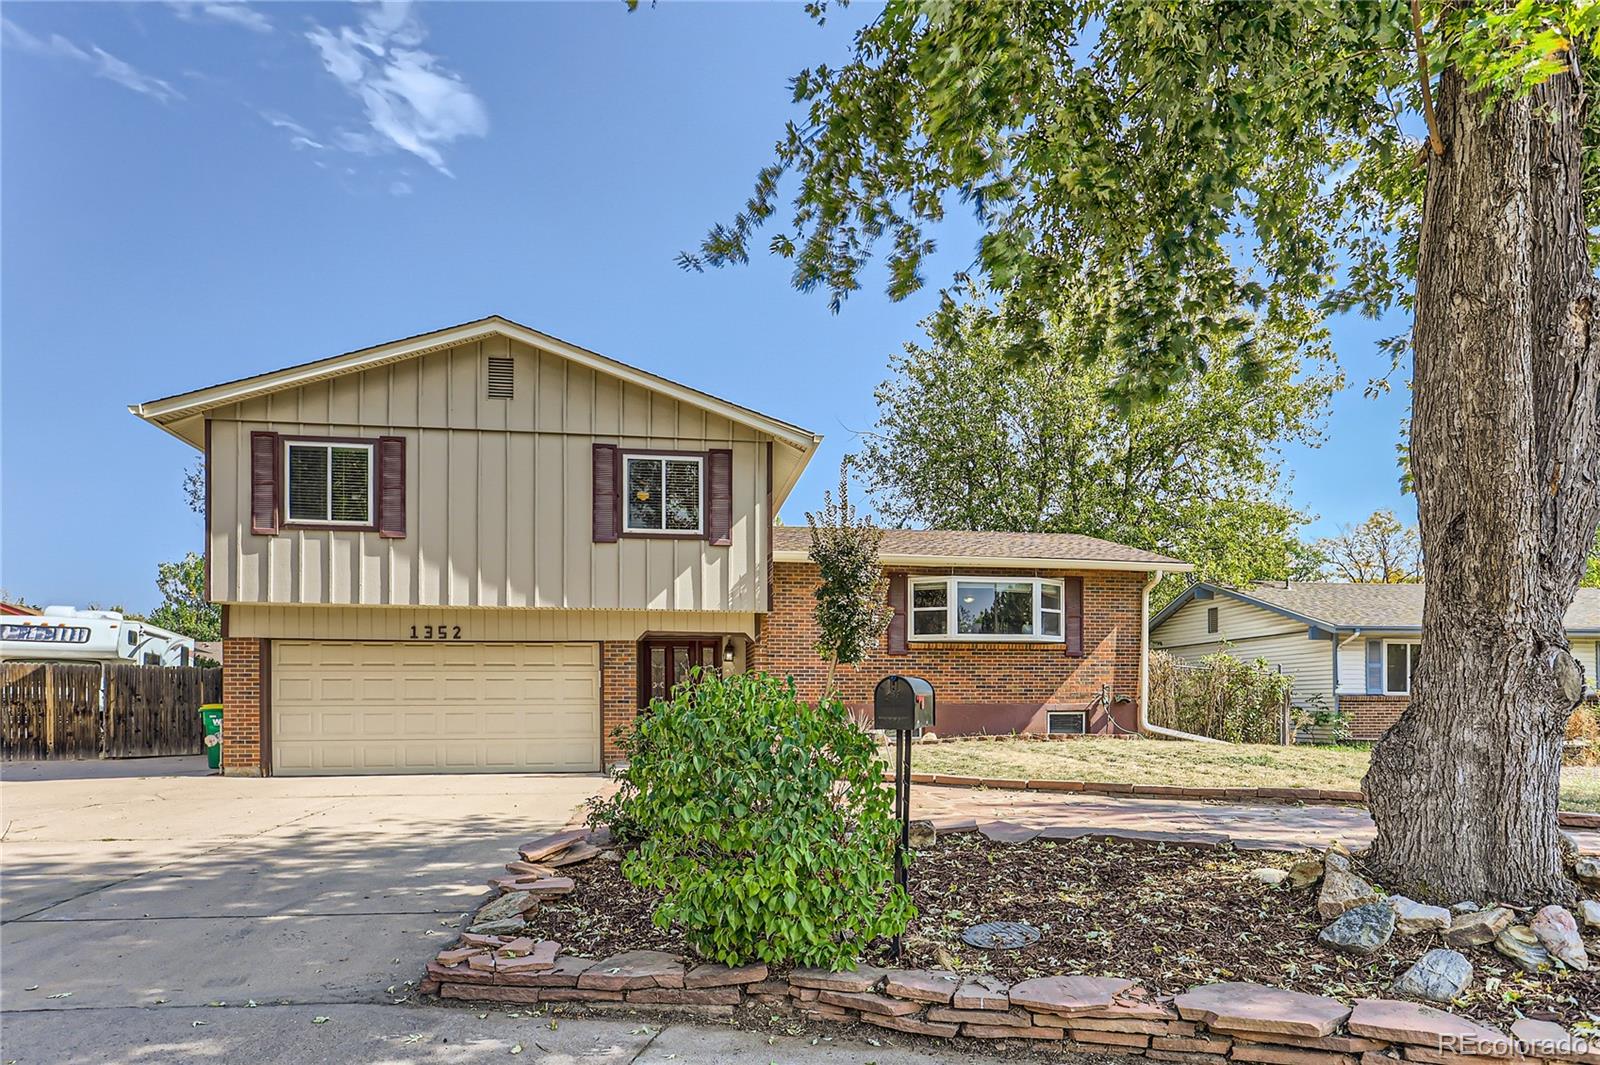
point(184, 608)
point(968, 438)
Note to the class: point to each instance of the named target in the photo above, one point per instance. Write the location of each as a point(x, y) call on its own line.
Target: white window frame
point(330, 521)
point(953, 581)
point(1083, 722)
point(1414, 649)
point(700, 494)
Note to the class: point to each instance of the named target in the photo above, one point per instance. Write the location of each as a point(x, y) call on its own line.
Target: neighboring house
point(1351, 648)
point(66, 634)
point(484, 549)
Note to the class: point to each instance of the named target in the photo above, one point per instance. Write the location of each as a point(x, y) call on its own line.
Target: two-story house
point(483, 549)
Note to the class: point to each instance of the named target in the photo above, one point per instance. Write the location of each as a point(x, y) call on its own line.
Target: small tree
point(1378, 551)
point(852, 611)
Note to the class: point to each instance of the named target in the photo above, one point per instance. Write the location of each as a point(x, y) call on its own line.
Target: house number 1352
point(436, 632)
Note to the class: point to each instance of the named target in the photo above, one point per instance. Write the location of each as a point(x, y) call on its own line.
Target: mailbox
point(902, 704)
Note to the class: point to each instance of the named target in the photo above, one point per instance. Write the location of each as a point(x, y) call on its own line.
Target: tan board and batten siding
point(1249, 632)
point(481, 475)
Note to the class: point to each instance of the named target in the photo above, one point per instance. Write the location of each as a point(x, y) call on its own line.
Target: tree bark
point(1506, 456)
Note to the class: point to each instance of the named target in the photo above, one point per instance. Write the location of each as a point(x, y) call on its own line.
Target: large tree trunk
point(1505, 450)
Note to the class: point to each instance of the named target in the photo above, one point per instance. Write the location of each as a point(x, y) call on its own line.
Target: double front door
point(668, 662)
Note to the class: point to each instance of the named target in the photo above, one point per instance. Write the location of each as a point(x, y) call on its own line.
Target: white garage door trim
point(447, 707)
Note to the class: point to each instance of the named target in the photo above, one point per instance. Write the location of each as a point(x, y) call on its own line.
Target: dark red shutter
point(264, 483)
point(719, 497)
point(897, 619)
point(1072, 614)
point(607, 494)
point(392, 486)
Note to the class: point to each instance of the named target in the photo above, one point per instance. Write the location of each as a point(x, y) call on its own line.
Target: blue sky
point(193, 192)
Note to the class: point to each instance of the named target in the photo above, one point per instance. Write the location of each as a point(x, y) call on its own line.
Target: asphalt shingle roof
point(962, 543)
point(1379, 606)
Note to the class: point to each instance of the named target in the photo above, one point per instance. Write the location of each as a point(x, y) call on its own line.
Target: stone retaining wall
point(1213, 1024)
point(1209, 1025)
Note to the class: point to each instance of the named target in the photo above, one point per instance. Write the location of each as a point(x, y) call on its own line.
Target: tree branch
point(1435, 142)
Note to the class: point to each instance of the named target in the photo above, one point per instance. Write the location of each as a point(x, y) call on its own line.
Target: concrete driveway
point(150, 912)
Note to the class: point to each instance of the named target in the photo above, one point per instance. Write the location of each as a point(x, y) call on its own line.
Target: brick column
point(241, 705)
point(619, 694)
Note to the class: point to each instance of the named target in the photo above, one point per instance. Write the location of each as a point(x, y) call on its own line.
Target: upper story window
point(328, 483)
point(979, 608)
point(663, 494)
point(1399, 666)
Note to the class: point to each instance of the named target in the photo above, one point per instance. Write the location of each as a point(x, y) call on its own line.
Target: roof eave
point(172, 408)
point(992, 562)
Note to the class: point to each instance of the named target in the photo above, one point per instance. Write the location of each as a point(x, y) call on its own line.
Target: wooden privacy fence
point(61, 710)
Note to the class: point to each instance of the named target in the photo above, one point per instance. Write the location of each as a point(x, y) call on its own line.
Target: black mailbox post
point(901, 704)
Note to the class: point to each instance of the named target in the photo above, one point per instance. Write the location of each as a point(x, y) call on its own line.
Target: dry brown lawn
point(1185, 763)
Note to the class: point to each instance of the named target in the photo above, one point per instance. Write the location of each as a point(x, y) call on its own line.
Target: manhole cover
point(1001, 935)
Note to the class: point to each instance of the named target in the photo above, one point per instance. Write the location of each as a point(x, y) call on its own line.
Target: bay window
point(983, 608)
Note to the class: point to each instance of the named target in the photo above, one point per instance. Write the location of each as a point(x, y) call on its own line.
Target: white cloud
point(399, 188)
point(100, 62)
point(411, 101)
point(232, 12)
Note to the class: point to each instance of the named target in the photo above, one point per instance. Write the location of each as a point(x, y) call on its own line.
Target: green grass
point(1184, 763)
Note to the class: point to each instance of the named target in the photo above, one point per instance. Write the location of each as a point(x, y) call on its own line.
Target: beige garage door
point(435, 707)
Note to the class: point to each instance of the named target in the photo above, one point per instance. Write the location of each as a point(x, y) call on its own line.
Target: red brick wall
point(619, 693)
point(1371, 715)
point(241, 705)
point(982, 687)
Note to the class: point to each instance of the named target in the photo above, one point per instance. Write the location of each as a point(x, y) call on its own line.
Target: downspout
point(1144, 672)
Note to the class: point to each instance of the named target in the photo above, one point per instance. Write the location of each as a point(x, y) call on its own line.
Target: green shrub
point(763, 822)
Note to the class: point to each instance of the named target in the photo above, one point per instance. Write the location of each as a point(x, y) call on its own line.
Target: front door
point(666, 663)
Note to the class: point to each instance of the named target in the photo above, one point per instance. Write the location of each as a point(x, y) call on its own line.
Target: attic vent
point(502, 377)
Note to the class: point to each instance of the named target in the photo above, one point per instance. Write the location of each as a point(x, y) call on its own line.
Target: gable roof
point(166, 413)
point(1339, 606)
point(959, 547)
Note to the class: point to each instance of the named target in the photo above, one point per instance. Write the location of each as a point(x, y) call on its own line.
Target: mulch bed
point(1170, 917)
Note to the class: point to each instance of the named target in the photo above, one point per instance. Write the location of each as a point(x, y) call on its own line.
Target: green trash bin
point(211, 719)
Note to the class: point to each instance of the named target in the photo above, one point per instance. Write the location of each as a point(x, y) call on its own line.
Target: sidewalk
point(1282, 824)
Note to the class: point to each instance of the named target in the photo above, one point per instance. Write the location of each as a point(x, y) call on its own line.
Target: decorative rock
point(923, 985)
point(634, 970)
point(1342, 891)
point(1303, 873)
point(861, 978)
point(1589, 910)
point(1438, 976)
point(543, 848)
point(1520, 945)
point(982, 993)
point(514, 949)
point(867, 1002)
point(1012, 1018)
point(1244, 1007)
point(577, 852)
point(549, 885)
point(562, 973)
point(1361, 930)
point(1465, 906)
point(541, 957)
point(715, 975)
point(998, 1031)
point(509, 926)
point(1557, 931)
point(1269, 876)
point(1478, 928)
point(1413, 917)
point(456, 956)
point(1546, 1039)
point(1067, 995)
point(911, 1024)
point(1407, 1022)
point(1587, 870)
point(922, 834)
point(705, 996)
point(1336, 857)
point(511, 904)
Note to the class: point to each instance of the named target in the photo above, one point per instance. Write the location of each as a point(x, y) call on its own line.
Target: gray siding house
point(1351, 648)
